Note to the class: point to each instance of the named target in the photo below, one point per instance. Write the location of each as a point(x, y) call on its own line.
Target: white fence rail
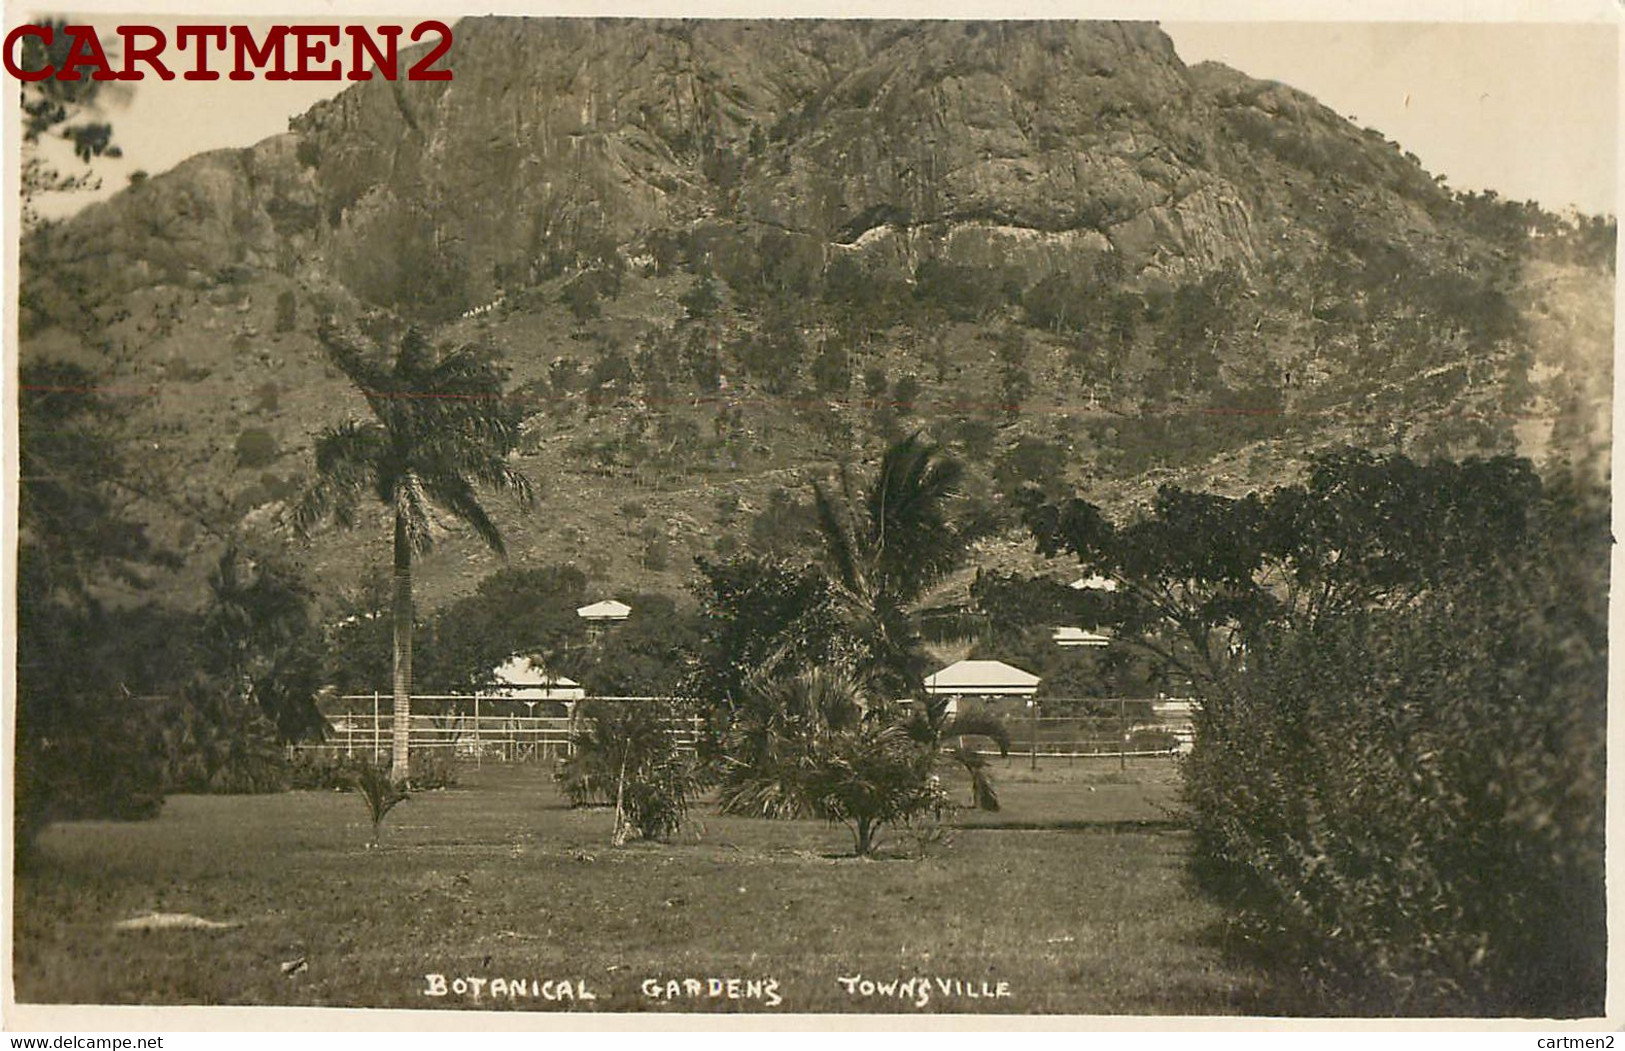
point(464, 726)
point(479, 728)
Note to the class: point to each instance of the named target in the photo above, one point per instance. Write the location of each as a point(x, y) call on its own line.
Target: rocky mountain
point(721, 256)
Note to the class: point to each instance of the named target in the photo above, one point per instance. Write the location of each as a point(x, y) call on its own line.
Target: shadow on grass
point(1068, 825)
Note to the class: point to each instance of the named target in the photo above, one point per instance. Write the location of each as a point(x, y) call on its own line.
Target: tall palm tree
point(885, 547)
point(440, 427)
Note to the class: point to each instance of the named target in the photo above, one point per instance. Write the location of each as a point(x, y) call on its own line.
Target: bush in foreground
point(1408, 805)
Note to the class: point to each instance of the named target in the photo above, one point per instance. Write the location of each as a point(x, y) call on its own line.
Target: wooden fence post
point(1034, 702)
point(1122, 734)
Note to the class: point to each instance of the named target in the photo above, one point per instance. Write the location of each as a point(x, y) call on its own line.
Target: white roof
point(608, 609)
point(523, 679)
point(1078, 637)
point(1094, 582)
point(983, 678)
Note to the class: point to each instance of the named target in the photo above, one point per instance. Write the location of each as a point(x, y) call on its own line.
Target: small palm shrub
point(625, 755)
point(379, 792)
point(815, 745)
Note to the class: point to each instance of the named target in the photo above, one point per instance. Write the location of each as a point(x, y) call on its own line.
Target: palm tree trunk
point(400, 758)
point(619, 836)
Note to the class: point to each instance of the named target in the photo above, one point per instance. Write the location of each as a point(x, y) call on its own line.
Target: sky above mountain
point(1528, 110)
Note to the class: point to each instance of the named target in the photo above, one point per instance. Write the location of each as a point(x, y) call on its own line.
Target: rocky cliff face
point(1049, 236)
point(1037, 146)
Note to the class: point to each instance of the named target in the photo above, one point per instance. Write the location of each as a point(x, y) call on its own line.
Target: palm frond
point(912, 540)
point(983, 791)
point(495, 472)
point(984, 795)
point(457, 496)
point(347, 460)
point(840, 548)
point(350, 450)
point(370, 375)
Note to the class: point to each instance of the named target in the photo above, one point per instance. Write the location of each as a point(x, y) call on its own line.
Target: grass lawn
point(1073, 896)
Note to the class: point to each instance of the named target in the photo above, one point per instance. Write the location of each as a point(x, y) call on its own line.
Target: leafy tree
point(648, 655)
point(1199, 573)
point(258, 637)
point(1380, 530)
point(1404, 803)
point(773, 355)
point(1398, 766)
point(81, 751)
point(702, 300)
point(758, 614)
point(1197, 324)
point(832, 369)
point(256, 447)
point(358, 638)
point(215, 738)
point(582, 293)
point(962, 293)
point(439, 427)
point(527, 611)
point(69, 108)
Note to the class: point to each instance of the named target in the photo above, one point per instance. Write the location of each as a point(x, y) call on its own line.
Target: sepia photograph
point(809, 516)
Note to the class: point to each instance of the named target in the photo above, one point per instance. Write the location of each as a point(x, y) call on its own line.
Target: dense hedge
point(1406, 807)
